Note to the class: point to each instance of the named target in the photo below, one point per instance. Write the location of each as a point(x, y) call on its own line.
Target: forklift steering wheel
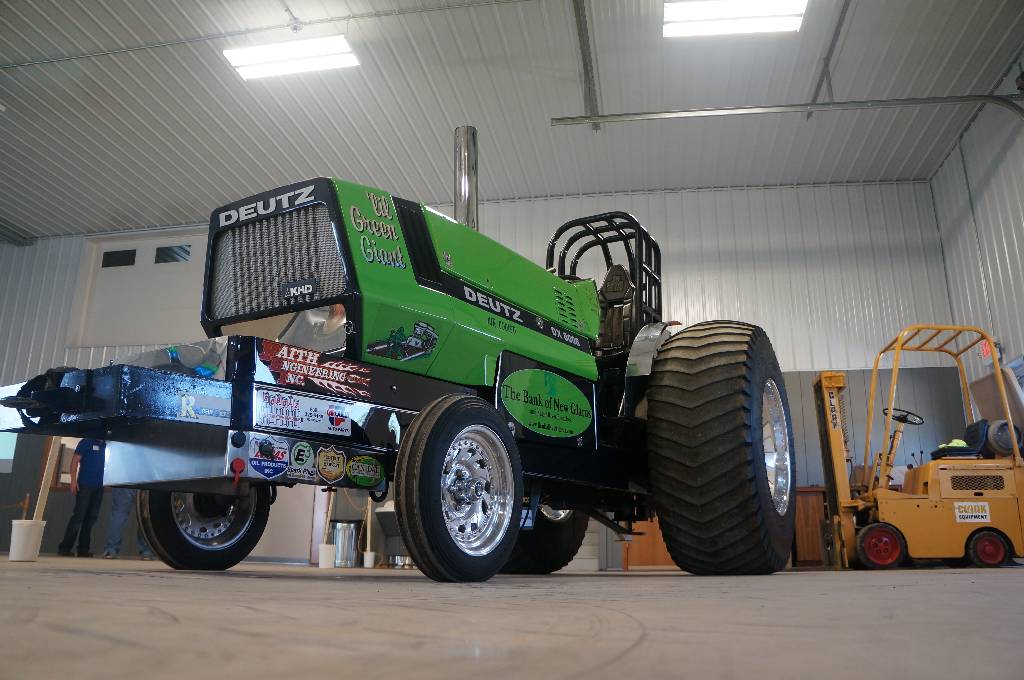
point(902, 415)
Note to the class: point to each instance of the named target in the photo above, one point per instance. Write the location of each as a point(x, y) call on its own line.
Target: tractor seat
point(975, 435)
point(616, 299)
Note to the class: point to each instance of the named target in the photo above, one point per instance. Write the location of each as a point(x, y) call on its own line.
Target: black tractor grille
point(253, 261)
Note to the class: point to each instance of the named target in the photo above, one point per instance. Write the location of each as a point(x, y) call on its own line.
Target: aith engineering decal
point(299, 367)
point(546, 403)
point(972, 512)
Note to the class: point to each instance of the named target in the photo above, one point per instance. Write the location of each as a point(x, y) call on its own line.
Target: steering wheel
point(902, 415)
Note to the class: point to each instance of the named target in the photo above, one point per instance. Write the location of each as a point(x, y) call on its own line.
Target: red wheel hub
point(882, 546)
point(990, 550)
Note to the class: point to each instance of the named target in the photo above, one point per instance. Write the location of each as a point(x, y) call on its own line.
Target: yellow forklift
point(962, 506)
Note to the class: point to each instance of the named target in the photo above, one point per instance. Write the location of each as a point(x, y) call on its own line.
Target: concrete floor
point(76, 618)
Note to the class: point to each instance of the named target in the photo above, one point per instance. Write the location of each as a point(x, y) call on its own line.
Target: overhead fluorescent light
point(292, 56)
point(724, 17)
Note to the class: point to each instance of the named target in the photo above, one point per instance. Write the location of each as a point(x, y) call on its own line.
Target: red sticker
point(298, 367)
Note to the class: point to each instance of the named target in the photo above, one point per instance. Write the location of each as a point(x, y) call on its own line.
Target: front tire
point(459, 490)
point(550, 545)
point(721, 450)
point(202, 531)
point(881, 546)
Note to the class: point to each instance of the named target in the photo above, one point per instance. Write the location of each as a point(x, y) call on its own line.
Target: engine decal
point(402, 346)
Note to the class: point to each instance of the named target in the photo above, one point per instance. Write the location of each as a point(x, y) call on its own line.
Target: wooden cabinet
point(809, 548)
point(650, 551)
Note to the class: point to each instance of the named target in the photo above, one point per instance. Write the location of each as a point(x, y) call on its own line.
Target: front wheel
point(458, 490)
point(203, 531)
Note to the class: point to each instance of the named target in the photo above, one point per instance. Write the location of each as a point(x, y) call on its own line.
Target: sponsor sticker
point(268, 456)
point(283, 410)
point(330, 464)
point(337, 421)
point(546, 403)
point(302, 464)
point(972, 511)
point(365, 471)
point(201, 408)
point(313, 370)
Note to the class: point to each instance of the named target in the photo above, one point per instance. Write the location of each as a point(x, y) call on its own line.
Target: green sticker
point(546, 403)
point(365, 471)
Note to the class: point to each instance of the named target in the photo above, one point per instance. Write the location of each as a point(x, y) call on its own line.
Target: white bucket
point(326, 556)
point(26, 537)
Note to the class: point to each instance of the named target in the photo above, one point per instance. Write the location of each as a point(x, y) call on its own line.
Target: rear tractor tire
point(459, 490)
point(720, 446)
point(555, 539)
point(203, 531)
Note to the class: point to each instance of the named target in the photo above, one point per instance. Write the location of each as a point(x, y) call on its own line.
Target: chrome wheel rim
point(211, 521)
point(477, 490)
point(775, 443)
point(554, 515)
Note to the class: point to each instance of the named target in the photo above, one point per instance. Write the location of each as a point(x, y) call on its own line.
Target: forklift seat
point(976, 436)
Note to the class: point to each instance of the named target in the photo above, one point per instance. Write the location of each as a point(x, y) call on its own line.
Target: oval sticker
point(365, 471)
point(546, 403)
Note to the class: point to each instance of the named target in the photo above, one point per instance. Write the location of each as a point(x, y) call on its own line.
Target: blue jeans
point(121, 507)
point(87, 509)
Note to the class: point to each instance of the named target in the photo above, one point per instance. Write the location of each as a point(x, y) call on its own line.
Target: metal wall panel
point(832, 272)
point(38, 284)
point(979, 204)
point(933, 393)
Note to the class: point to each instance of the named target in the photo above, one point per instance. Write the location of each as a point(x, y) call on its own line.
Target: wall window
point(118, 258)
point(166, 254)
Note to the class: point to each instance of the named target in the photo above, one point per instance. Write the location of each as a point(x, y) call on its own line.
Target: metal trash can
point(345, 536)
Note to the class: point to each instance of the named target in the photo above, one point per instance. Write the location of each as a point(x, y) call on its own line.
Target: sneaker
point(109, 555)
point(146, 557)
point(85, 554)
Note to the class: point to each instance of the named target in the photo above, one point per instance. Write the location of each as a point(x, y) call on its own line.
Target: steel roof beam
point(1006, 101)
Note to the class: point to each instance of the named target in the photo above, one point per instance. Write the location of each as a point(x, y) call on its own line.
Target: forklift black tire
point(720, 509)
point(202, 531)
point(458, 490)
point(881, 546)
point(550, 545)
point(988, 549)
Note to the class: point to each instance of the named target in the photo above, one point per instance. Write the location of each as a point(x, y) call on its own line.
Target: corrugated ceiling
point(162, 136)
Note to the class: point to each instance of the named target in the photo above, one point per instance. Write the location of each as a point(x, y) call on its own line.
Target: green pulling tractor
point(361, 340)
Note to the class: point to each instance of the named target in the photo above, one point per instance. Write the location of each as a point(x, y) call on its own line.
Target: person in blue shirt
point(87, 485)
